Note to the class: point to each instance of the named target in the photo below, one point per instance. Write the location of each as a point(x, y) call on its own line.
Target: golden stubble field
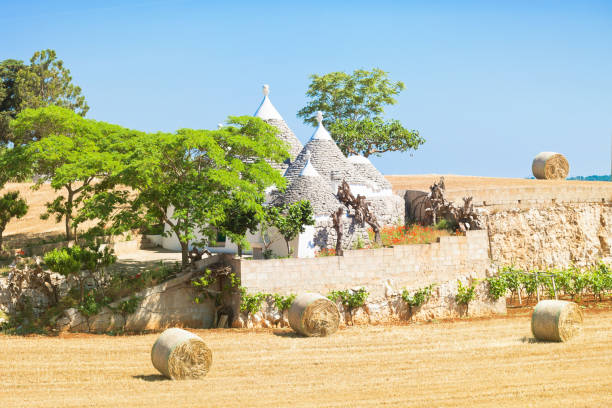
point(471, 363)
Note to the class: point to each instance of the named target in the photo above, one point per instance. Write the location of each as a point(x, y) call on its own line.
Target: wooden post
point(554, 287)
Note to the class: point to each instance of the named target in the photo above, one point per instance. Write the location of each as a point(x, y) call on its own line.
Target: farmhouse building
point(314, 172)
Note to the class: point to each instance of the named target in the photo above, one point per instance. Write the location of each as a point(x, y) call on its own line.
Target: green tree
point(290, 220)
point(11, 206)
point(45, 81)
point(192, 180)
point(9, 101)
point(71, 152)
point(239, 218)
point(352, 107)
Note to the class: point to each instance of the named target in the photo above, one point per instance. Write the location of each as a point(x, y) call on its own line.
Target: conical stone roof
point(326, 157)
point(309, 185)
point(270, 115)
point(367, 170)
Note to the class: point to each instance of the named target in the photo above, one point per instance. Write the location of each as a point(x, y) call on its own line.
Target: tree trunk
point(68, 215)
point(377, 237)
point(239, 251)
point(288, 248)
point(1, 232)
point(184, 253)
point(339, 250)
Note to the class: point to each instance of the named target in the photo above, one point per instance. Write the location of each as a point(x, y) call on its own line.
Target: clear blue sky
point(487, 85)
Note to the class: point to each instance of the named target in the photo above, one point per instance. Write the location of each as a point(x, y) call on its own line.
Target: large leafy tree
point(352, 105)
point(195, 181)
point(11, 206)
point(68, 151)
point(45, 81)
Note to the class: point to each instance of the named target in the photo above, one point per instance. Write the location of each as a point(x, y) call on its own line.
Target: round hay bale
point(314, 315)
point(556, 320)
point(181, 355)
point(550, 166)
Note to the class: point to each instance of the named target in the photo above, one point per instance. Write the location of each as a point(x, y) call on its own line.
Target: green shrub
point(418, 297)
point(349, 298)
point(92, 304)
point(283, 303)
point(251, 303)
point(465, 294)
point(497, 287)
point(130, 305)
point(512, 279)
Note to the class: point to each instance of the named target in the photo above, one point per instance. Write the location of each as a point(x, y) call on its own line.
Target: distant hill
point(591, 178)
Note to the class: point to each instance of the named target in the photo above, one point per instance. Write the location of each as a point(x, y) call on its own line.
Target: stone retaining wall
point(552, 236)
point(407, 265)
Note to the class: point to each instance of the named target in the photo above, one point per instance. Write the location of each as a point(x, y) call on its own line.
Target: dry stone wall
point(384, 273)
point(551, 236)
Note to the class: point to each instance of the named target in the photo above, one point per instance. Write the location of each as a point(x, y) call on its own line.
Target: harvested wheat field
point(458, 183)
point(31, 226)
point(471, 363)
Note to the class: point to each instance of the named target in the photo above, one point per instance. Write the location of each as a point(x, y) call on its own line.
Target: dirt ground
point(470, 363)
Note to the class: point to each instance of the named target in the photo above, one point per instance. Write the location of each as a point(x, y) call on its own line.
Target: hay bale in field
point(550, 166)
point(181, 355)
point(314, 315)
point(556, 320)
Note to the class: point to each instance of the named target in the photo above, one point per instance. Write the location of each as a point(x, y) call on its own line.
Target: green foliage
point(205, 284)
point(92, 304)
point(237, 220)
point(281, 302)
point(63, 261)
point(362, 94)
point(130, 305)
point(465, 294)
point(360, 243)
point(193, 180)
point(45, 81)
point(251, 303)
point(353, 105)
point(419, 297)
point(290, 220)
point(69, 151)
point(11, 206)
point(497, 287)
point(349, 298)
point(446, 225)
point(373, 136)
point(72, 260)
point(572, 281)
point(512, 278)
point(9, 99)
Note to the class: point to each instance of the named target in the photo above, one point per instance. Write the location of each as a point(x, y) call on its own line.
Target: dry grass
point(453, 182)
point(463, 364)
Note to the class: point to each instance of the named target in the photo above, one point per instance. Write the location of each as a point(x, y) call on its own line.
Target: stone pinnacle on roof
point(309, 170)
point(266, 110)
point(309, 185)
point(320, 133)
point(270, 115)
